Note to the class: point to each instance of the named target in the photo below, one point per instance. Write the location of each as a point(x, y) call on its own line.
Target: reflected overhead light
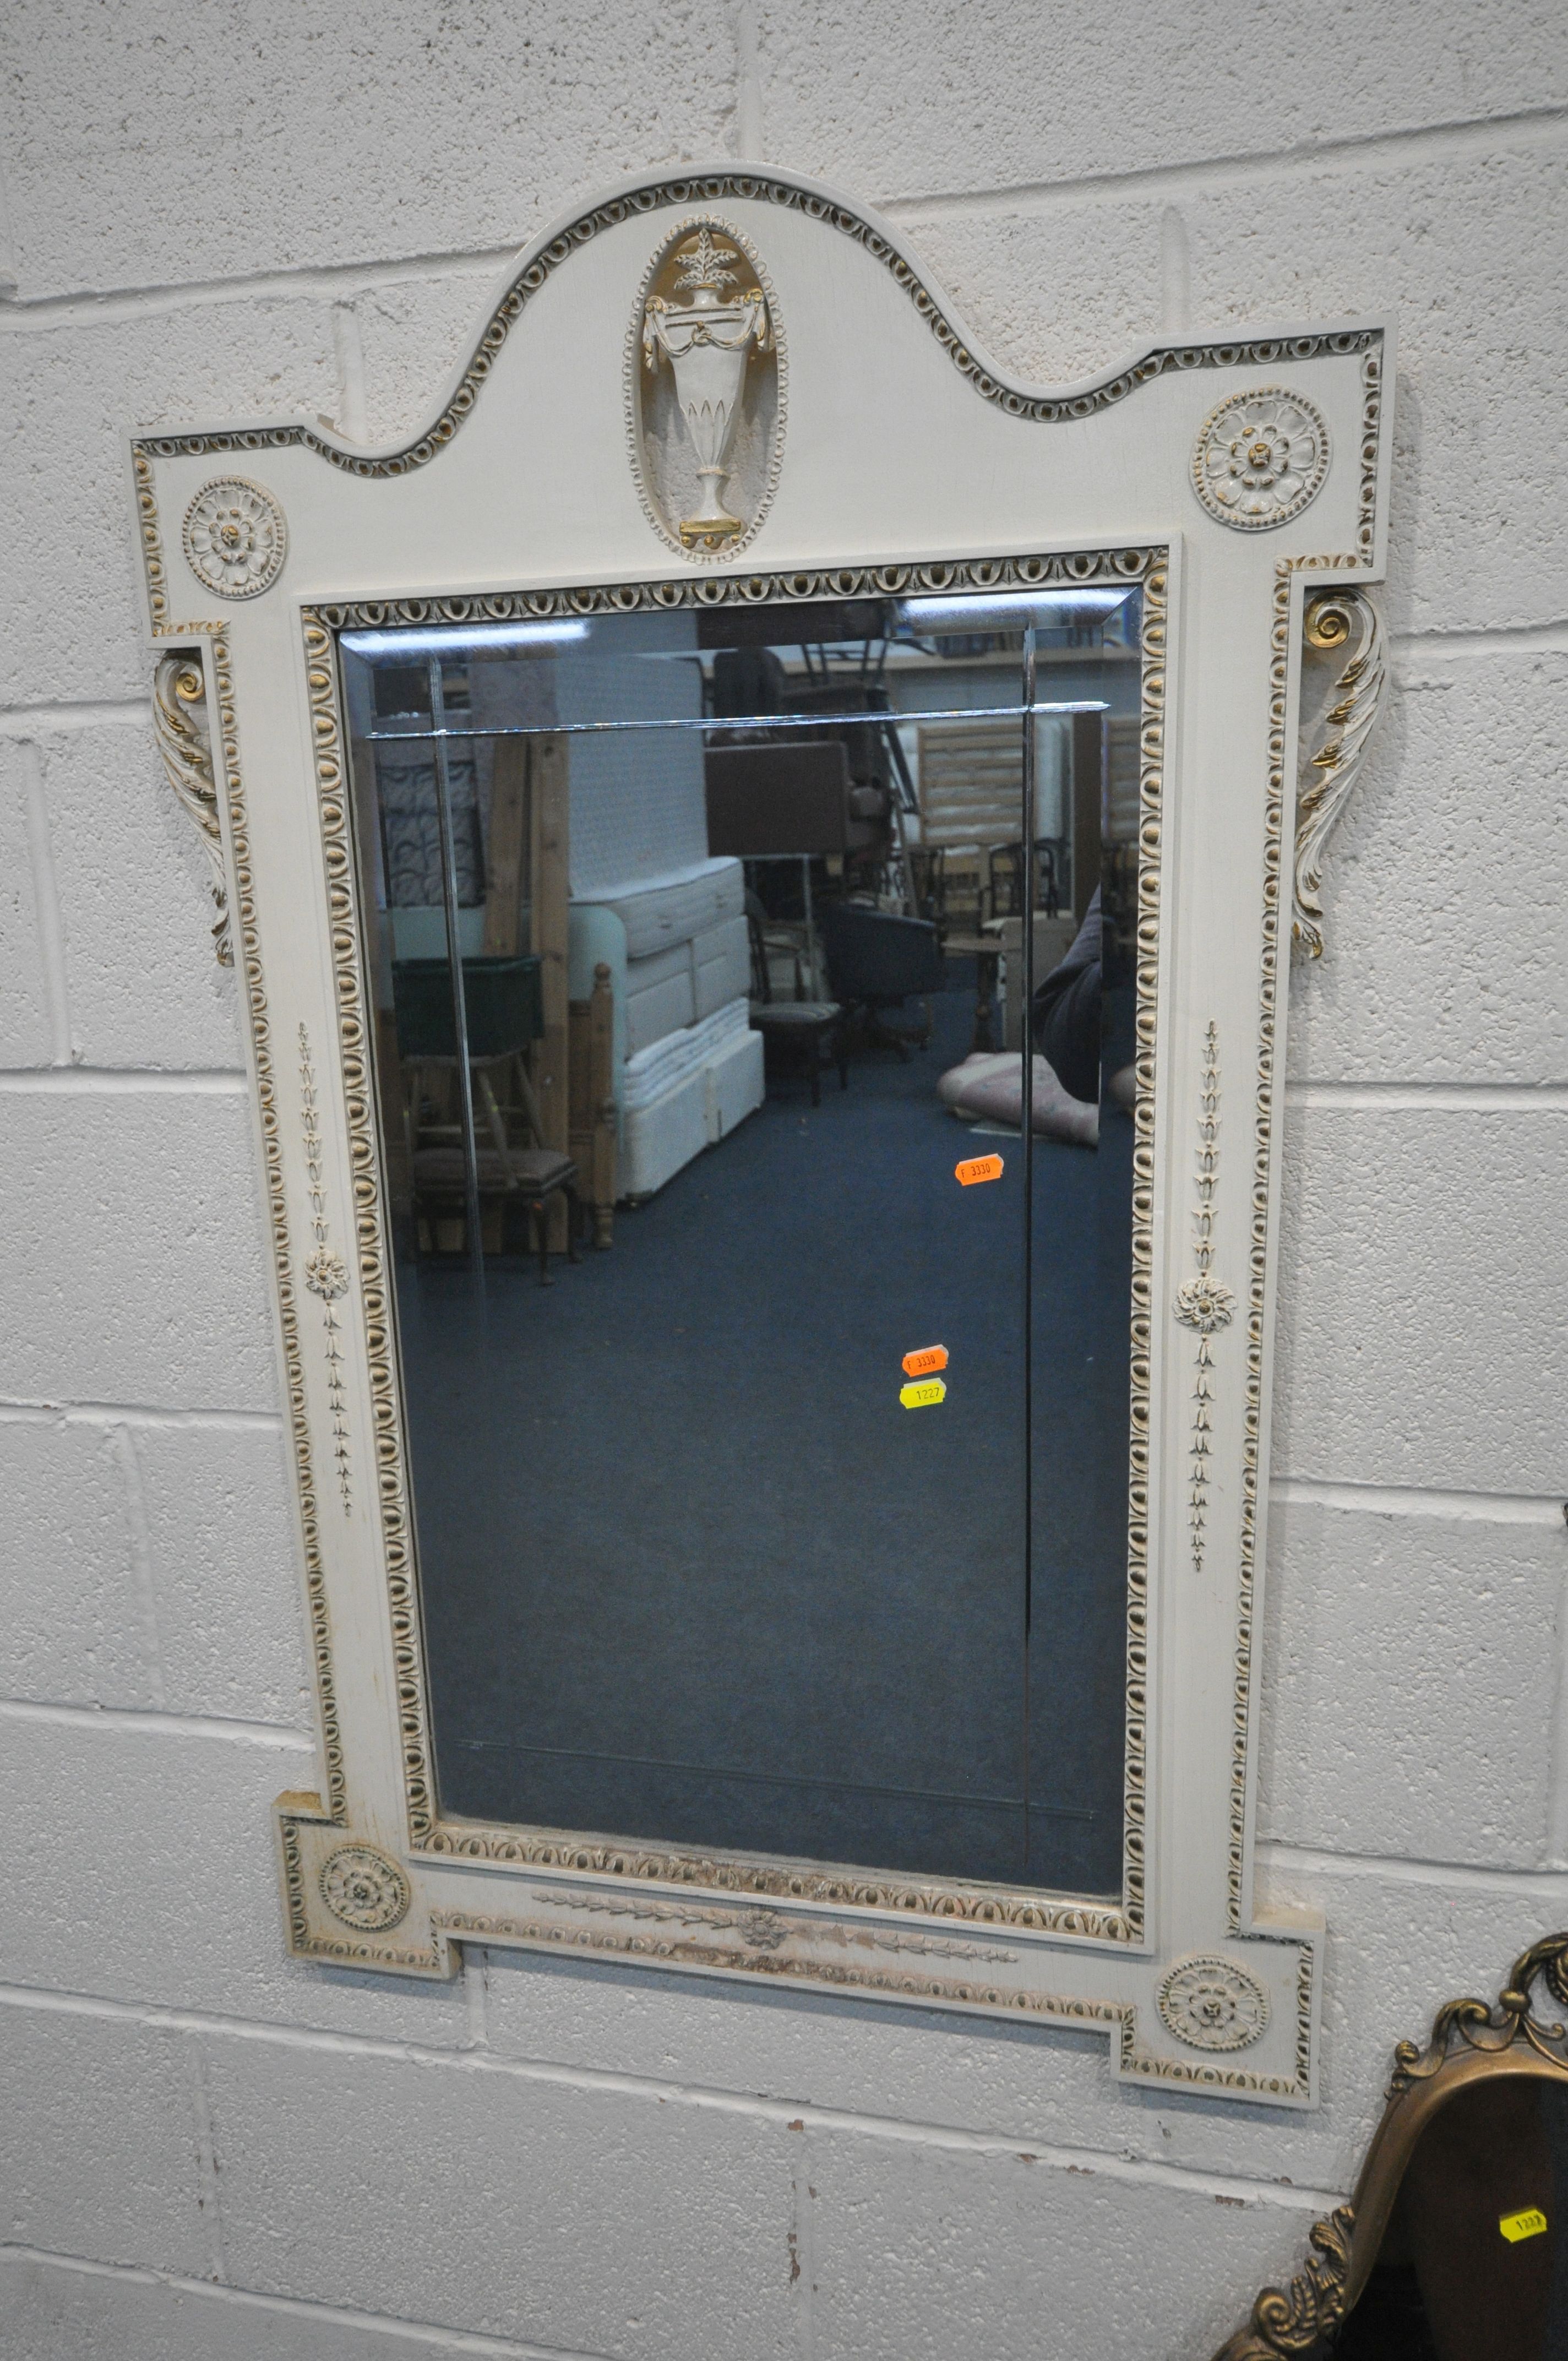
point(460, 639)
point(1012, 611)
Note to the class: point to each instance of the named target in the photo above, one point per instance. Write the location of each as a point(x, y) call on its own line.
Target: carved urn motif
point(705, 404)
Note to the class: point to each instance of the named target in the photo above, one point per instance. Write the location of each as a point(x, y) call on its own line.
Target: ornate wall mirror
point(1452, 2247)
point(762, 857)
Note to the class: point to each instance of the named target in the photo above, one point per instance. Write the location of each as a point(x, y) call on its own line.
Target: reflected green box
point(504, 997)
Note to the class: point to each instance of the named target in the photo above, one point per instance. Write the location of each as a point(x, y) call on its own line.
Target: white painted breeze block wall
point(209, 2154)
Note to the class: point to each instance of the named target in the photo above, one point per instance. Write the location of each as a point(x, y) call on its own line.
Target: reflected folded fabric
point(990, 1086)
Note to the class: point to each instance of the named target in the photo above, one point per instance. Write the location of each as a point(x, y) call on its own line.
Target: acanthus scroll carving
point(185, 742)
point(1348, 622)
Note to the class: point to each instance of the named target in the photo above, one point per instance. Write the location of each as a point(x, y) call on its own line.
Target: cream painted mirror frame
point(1242, 483)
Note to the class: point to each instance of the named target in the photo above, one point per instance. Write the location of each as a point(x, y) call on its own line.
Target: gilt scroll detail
point(1344, 621)
point(184, 740)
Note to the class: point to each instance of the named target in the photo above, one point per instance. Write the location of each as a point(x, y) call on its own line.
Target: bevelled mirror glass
point(766, 1376)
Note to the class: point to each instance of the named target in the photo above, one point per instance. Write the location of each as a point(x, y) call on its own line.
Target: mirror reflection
point(763, 1255)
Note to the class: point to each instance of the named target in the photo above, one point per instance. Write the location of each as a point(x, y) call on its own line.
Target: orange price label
point(921, 1364)
point(1528, 2224)
point(978, 1167)
point(923, 1395)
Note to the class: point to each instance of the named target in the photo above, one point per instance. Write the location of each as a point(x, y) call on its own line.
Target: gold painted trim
point(248, 932)
point(1280, 760)
point(715, 187)
point(1470, 2041)
point(1204, 1303)
point(183, 731)
point(1298, 2086)
point(633, 392)
point(744, 1959)
point(335, 1951)
point(332, 805)
point(327, 1274)
point(1344, 618)
point(601, 1855)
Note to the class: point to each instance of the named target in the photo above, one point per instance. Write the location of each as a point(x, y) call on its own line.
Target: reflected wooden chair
point(525, 1177)
point(811, 1031)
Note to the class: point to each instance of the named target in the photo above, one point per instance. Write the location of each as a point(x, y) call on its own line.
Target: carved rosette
point(1211, 2003)
point(1260, 458)
point(365, 1888)
point(235, 538)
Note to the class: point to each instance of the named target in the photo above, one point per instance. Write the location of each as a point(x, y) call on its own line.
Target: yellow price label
point(921, 1397)
point(1528, 2224)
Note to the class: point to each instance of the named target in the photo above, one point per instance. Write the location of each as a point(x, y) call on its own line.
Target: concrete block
point(903, 99)
point(581, 2217)
point(1410, 1684)
point(1445, 886)
point(26, 1033)
point(1418, 1337)
point(134, 1272)
point(224, 1559)
point(138, 1865)
point(412, 335)
point(57, 2310)
point(98, 2139)
point(1451, 244)
point(1054, 294)
point(1031, 2086)
point(137, 913)
point(916, 2250)
point(65, 500)
point(74, 1619)
point(365, 136)
point(1402, 1942)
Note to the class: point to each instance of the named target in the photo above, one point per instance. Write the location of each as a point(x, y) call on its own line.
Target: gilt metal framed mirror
point(761, 858)
point(1451, 2247)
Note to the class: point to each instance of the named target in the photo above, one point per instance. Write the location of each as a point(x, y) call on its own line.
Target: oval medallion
point(705, 389)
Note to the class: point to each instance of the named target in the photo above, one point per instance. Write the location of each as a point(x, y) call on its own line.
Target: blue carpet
point(691, 1572)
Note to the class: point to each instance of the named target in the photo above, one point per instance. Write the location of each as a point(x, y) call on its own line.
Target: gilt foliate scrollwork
point(1473, 2024)
point(185, 742)
point(1340, 622)
point(1299, 2322)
